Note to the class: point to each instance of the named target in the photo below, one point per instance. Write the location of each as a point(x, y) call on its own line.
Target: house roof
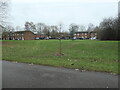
point(22, 31)
point(82, 32)
point(85, 32)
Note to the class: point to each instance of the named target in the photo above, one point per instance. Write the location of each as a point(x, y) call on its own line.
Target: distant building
point(37, 36)
point(28, 35)
point(21, 35)
point(18, 35)
point(85, 34)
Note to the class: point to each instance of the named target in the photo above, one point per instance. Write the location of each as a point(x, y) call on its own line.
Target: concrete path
point(20, 75)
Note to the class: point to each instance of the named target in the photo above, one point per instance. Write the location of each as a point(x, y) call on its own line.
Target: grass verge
point(82, 54)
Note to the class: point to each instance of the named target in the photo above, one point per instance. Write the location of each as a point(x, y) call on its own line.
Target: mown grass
point(81, 54)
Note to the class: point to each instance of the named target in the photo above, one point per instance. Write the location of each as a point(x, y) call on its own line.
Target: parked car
point(93, 38)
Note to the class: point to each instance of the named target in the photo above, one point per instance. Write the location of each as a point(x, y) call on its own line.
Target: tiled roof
point(85, 32)
point(23, 31)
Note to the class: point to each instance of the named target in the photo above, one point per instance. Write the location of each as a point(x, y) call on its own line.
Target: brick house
point(18, 35)
point(93, 34)
point(85, 34)
point(37, 36)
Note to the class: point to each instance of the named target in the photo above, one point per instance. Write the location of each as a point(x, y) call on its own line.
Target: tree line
point(108, 29)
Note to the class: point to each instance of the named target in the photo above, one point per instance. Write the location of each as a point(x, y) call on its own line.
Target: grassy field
point(82, 54)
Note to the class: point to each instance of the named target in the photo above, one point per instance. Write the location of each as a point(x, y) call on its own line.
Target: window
point(85, 36)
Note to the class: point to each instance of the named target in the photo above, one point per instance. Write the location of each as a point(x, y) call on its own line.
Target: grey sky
point(52, 12)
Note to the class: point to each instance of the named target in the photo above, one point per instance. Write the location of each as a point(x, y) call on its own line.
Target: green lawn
point(83, 54)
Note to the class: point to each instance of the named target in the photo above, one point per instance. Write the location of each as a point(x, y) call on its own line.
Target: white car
point(93, 38)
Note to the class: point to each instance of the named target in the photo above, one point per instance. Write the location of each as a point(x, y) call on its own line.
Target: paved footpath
point(20, 75)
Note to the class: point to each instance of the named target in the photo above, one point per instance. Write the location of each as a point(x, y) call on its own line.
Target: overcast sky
point(52, 12)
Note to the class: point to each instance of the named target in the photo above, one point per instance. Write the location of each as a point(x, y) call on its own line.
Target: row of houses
point(28, 35)
point(86, 34)
point(18, 35)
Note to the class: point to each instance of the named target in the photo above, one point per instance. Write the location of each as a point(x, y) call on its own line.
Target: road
point(20, 75)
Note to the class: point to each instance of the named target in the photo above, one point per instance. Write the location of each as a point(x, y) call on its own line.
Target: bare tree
point(60, 28)
point(18, 28)
point(82, 28)
point(54, 31)
point(27, 26)
point(30, 26)
point(40, 27)
point(4, 7)
point(46, 30)
point(109, 29)
point(73, 28)
point(9, 31)
point(10, 28)
point(90, 27)
point(33, 28)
